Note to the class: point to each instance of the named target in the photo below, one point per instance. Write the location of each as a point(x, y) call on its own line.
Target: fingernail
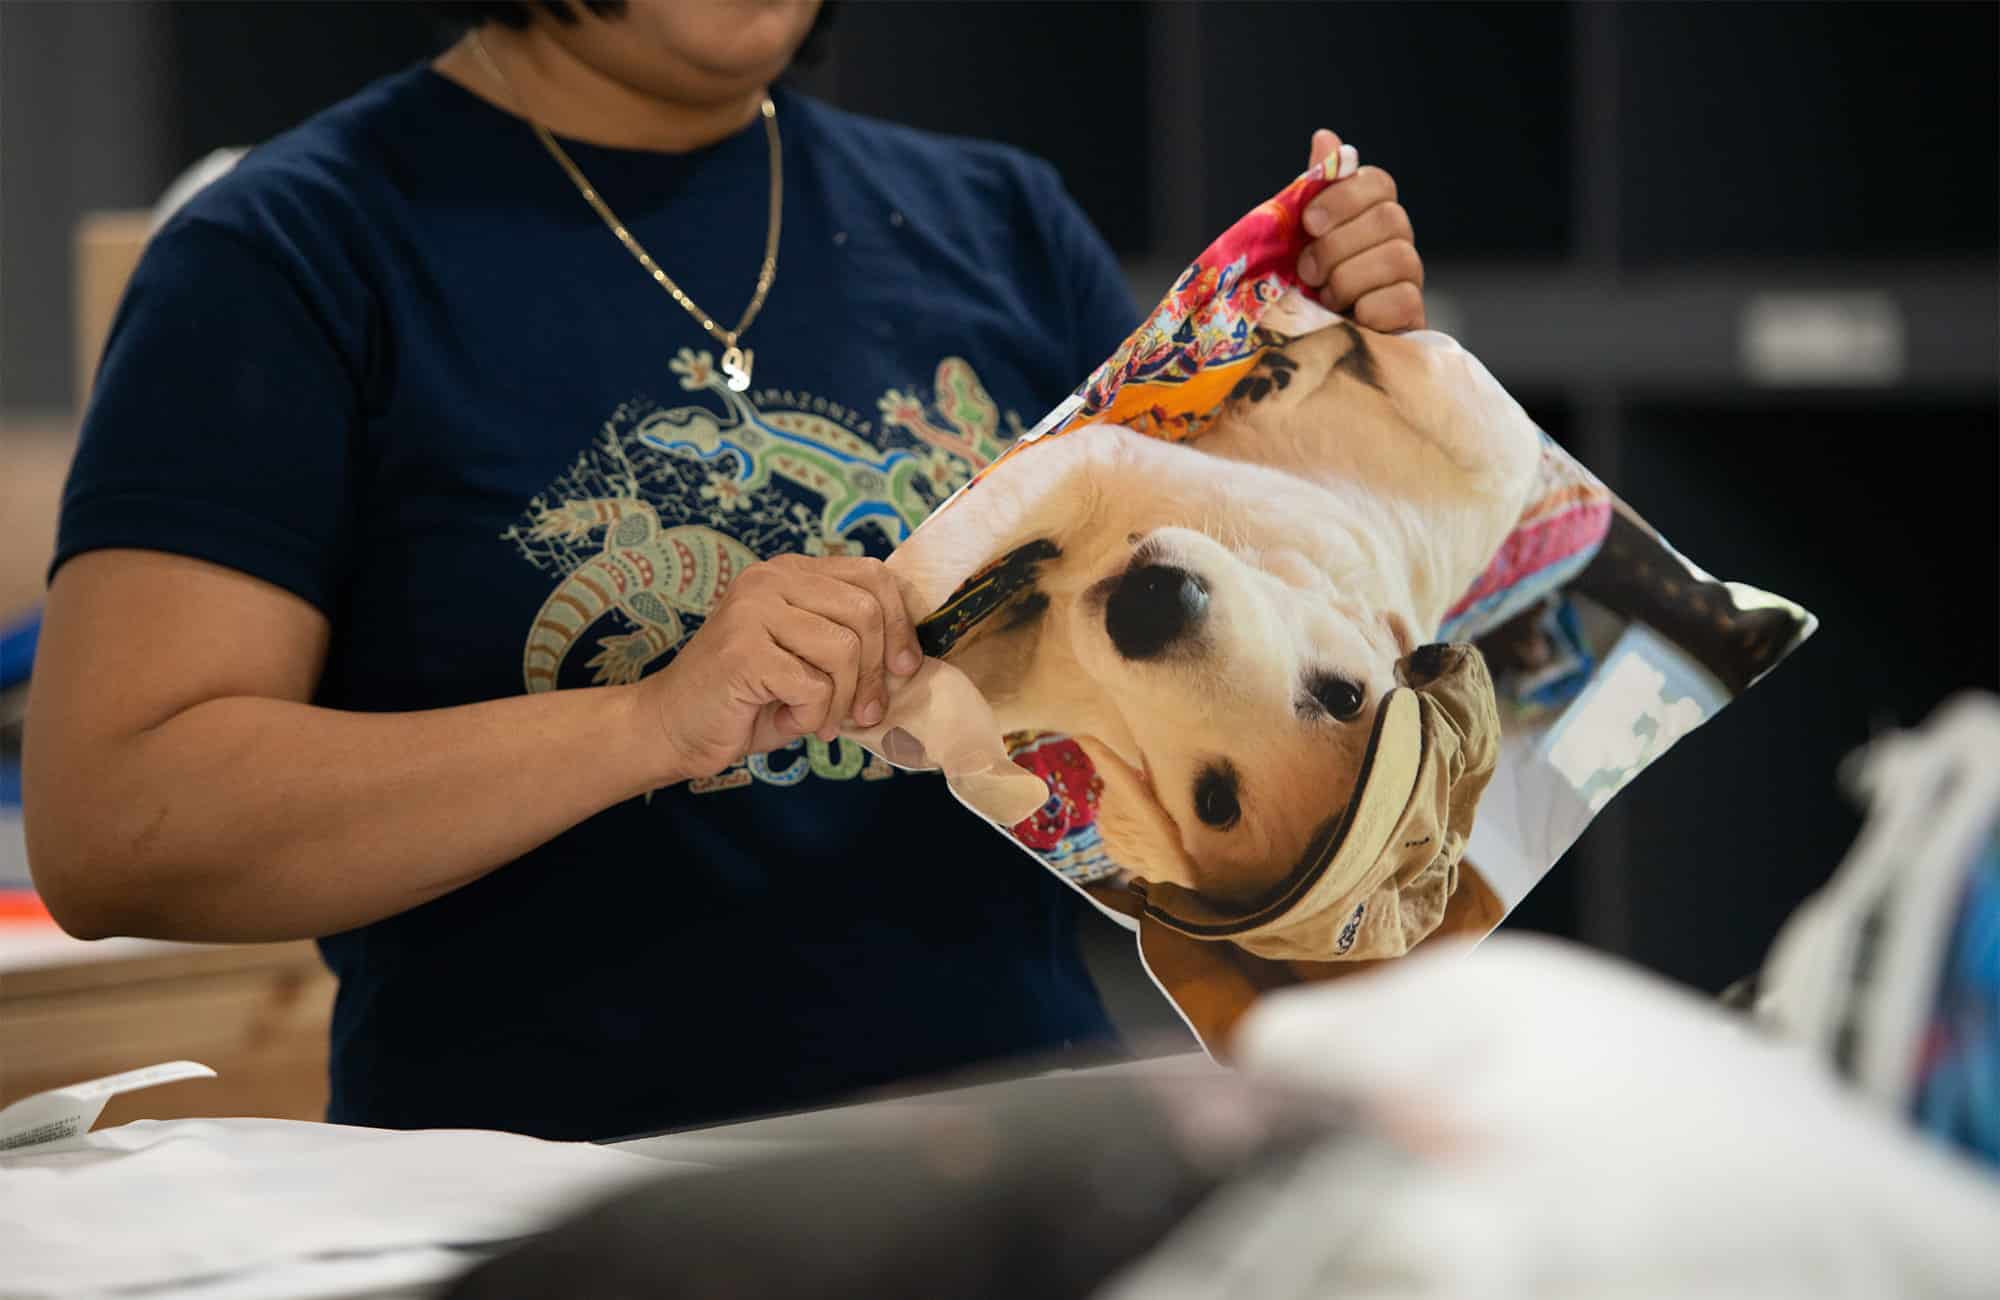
point(903, 749)
point(1315, 222)
point(907, 662)
point(1350, 161)
point(1309, 268)
point(870, 714)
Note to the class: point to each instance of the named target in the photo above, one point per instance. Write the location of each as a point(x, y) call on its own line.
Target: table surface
point(38, 945)
point(734, 1143)
point(37, 959)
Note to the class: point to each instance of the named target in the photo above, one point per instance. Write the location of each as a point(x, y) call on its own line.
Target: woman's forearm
point(242, 818)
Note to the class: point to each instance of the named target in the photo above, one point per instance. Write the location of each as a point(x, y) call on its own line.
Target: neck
point(541, 80)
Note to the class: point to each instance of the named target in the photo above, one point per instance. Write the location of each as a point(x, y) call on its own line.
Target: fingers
point(798, 697)
point(1385, 223)
point(846, 618)
point(1330, 158)
point(864, 596)
point(1325, 144)
point(901, 651)
point(845, 622)
point(942, 721)
point(1392, 309)
point(774, 728)
point(1363, 257)
point(1336, 205)
point(1378, 268)
point(828, 649)
point(1001, 792)
point(790, 677)
point(1388, 277)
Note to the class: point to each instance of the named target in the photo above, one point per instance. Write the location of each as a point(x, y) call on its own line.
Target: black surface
point(1884, 526)
point(1046, 1196)
point(1466, 104)
point(1807, 130)
point(1067, 82)
point(1782, 130)
point(246, 70)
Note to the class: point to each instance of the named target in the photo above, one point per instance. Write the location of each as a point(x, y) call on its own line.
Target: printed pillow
point(1292, 644)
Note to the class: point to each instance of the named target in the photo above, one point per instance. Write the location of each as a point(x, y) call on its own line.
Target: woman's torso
point(547, 484)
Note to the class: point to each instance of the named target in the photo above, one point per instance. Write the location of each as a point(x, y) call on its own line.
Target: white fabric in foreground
point(1586, 1130)
point(163, 1203)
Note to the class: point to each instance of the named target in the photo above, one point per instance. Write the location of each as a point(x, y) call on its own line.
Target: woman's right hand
point(796, 646)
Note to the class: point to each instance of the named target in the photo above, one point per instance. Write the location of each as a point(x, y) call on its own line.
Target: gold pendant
point(736, 364)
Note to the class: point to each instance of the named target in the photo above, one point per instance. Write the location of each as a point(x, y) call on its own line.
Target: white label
point(1064, 409)
point(1839, 339)
point(66, 1112)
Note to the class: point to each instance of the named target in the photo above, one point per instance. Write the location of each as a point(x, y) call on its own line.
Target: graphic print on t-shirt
point(647, 528)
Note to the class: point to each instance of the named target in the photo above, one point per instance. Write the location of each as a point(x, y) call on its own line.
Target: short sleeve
point(224, 420)
point(1102, 311)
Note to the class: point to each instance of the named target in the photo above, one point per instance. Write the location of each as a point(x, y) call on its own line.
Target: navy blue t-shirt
point(393, 363)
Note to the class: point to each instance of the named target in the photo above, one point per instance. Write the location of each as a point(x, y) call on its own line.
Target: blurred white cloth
point(279, 1207)
point(1589, 1131)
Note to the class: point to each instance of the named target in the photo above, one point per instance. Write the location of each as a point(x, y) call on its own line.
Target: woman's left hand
point(1363, 257)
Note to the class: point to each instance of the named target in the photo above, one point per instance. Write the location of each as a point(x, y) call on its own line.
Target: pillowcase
point(1294, 645)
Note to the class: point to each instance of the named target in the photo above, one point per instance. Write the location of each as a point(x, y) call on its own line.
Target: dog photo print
point(1292, 644)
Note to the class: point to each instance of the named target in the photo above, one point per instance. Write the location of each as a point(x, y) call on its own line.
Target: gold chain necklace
point(736, 360)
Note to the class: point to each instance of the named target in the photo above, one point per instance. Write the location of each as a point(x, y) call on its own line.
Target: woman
point(421, 413)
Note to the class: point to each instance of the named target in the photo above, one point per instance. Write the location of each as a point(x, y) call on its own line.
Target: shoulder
point(307, 218)
point(950, 166)
point(895, 143)
point(988, 205)
point(311, 188)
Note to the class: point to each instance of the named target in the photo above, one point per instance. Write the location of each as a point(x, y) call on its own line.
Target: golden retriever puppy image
point(1218, 641)
point(1216, 622)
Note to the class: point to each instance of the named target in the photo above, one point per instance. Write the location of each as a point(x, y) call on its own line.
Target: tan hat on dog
point(1387, 867)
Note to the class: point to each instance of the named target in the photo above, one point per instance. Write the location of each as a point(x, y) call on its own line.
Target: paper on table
point(418, 1274)
point(165, 1203)
point(64, 1112)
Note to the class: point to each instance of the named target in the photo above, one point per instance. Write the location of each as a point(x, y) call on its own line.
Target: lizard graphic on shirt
point(857, 482)
point(651, 526)
point(649, 573)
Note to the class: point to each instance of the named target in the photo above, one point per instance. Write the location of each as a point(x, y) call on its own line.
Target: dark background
point(1598, 189)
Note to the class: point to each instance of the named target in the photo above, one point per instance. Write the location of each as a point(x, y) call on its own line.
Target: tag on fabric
point(63, 1113)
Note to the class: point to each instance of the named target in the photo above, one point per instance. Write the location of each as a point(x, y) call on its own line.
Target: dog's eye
point(1337, 696)
point(1215, 796)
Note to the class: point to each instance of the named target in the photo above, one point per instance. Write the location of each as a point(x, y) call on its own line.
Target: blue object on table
point(1958, 1073)
point(17, 650)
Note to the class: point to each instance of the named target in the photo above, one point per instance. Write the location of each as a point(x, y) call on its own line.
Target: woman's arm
point(179, 786)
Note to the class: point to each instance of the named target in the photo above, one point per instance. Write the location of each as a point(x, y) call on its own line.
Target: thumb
point(938, 719)
point(1325, 144)
point(1004, 793)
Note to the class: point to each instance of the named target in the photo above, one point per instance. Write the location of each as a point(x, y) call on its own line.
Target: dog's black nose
point(1153, 606)
point(1428, 663)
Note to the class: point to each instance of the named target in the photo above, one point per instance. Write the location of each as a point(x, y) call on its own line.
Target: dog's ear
point(938, 719)
point(998, 654)
point(1140, 835)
